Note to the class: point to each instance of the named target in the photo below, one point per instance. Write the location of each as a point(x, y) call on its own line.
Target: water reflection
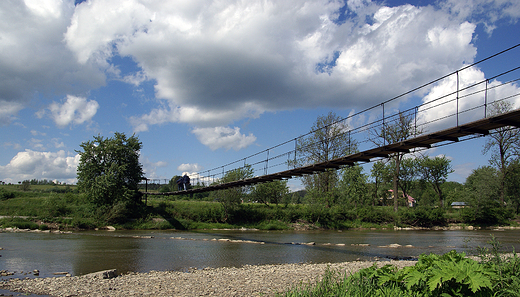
point(87, 252)
point(106, 252)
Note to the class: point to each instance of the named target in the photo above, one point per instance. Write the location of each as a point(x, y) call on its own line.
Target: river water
point(142, 251)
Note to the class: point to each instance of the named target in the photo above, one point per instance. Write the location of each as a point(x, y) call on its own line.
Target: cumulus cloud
point(75, 110)
point(31, 164)
point(442, 105)
point(34, 59)
point(189, 167)
point(217, 62)
point(150, 168)
point(223, 137)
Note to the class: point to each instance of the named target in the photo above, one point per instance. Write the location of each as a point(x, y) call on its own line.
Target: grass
point(71, 210)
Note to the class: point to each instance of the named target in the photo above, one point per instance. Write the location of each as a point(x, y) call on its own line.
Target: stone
point(105, 274)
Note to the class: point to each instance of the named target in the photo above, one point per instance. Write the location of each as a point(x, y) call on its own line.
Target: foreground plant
point(451, 274)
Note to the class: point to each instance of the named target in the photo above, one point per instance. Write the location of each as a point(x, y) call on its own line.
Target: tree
point(435, 171)
point(502, 143)
point(396, 130)
point(328, 139)
point(109, 170)
point(512, 184)
point(483, 187)
point(231, 198)
point(379, 174)
point(270, 192)
point(354, 185)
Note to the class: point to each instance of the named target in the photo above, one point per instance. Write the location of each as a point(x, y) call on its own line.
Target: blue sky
point(204, 83)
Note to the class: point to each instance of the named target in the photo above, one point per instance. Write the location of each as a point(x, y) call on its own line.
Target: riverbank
point(263, 280)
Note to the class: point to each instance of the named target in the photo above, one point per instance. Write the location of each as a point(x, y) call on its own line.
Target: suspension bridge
point(462, 109)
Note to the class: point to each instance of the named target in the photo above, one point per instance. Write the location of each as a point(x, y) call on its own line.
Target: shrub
point(4, 195)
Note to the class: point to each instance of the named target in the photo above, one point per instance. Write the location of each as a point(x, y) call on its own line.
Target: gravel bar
point(263, 280)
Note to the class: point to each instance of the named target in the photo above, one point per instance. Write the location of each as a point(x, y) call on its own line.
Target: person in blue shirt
point(185, 182)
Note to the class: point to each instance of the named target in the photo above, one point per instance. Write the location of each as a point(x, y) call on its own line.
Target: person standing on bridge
point(180, 184)
point(185, 182)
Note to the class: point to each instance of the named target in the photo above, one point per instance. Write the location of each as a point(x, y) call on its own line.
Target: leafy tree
point(396, 130)
point(109, 170)
point(512, 185)
point(270, 192)
point(354, 185)
point(328, 139)
point(25, 185)
point(502, 144)
point(231, 198)
point(379, 174)
point(483, 187)
point(173, 183)
point(435, 171)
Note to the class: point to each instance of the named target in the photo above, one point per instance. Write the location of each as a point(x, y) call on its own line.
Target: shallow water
point(142, 251)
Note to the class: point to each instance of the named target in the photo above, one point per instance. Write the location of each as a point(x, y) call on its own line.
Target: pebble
point(262, 280)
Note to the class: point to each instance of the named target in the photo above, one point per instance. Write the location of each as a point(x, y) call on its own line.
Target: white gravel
point(264, 280)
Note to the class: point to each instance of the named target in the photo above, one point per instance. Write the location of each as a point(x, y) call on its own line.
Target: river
point(142, 251)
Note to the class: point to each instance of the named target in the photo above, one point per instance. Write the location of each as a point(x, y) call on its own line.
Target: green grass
point(43, 202)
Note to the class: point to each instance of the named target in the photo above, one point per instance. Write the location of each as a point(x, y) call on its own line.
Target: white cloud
point(31, 164)
point(8, 110)
point(441, 112)
point(462, 171)
point(34, 59)
point(150, 168)
point(189, 167)
point(223, 137)
point(77, 110)
point(214, 61)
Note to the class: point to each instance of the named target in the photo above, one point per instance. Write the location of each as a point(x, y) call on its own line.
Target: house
point(459, 205)
point(410, 200)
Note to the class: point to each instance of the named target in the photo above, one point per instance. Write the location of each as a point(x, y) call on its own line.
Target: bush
point(422, 216)
point(18, 223)
point(4, 195)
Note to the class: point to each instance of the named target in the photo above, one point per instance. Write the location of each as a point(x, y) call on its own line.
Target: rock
point(105, 274)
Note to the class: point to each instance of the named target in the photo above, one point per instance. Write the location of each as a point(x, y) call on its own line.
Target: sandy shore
point(264, 280)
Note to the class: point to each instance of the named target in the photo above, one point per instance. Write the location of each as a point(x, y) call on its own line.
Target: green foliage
point(422, 216)
point(271, 192)
point(353, 186)
point(484, 198)
point(435, 171)
point(18, 223)
point(451, 274)
point(231, 198)
point(328, 139)
point(512, 185)
point(109, 170)
point(4, 194)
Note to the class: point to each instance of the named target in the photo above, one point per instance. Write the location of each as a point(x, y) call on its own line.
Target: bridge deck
point(480, 127)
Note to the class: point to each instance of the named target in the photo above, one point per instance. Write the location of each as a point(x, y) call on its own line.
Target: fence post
point(266, 163)
point(485, 100)
point(384, 131)
point(457, 98)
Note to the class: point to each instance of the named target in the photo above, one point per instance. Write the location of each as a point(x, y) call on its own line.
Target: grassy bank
point(62, 207)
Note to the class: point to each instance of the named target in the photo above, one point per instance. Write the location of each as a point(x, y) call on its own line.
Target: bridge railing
point(451, 100)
